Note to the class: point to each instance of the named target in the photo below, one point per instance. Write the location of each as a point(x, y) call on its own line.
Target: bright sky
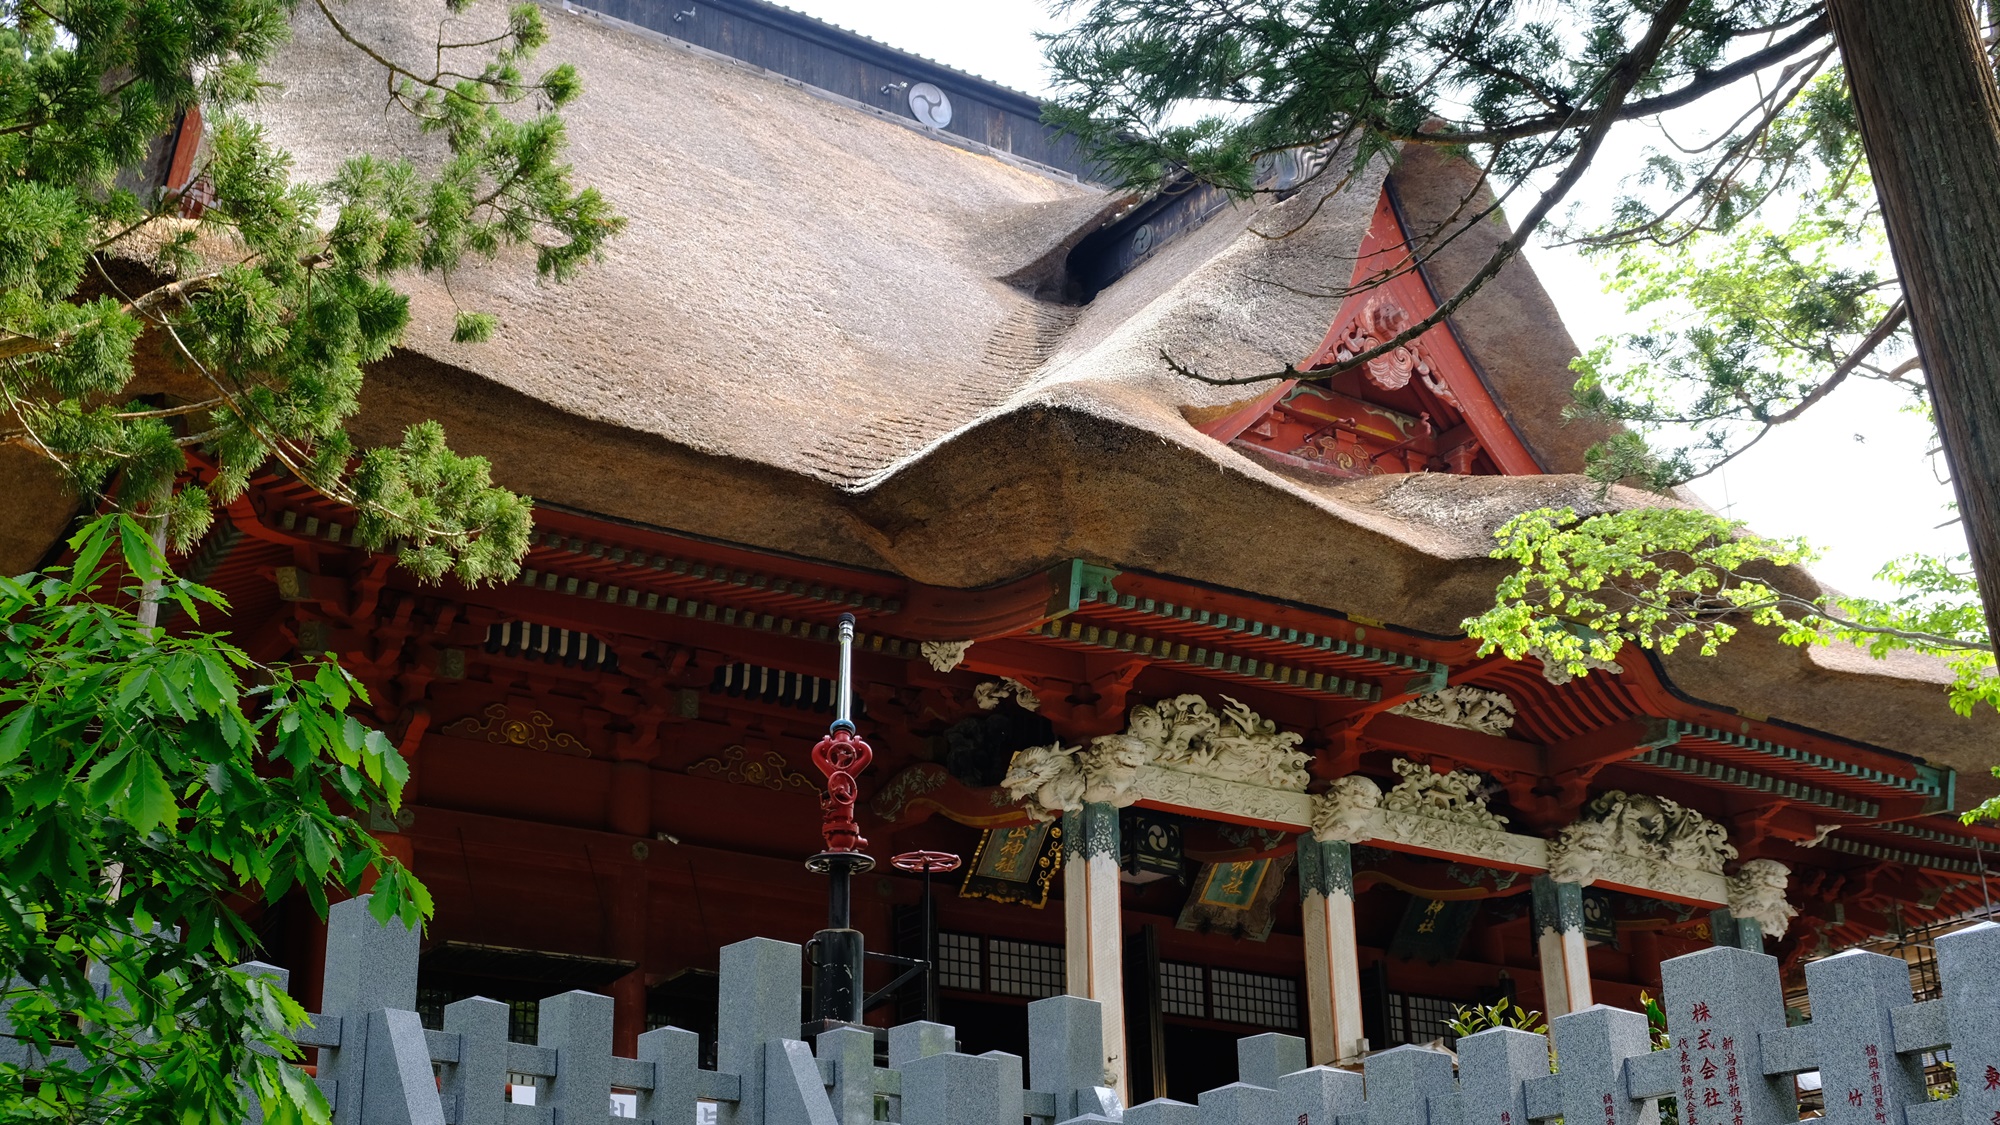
point(1852, 476)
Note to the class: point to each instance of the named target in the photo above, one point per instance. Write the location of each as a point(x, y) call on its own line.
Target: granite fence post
point(1864, 1080)
point(1163, 1111)
point(475, 1087)
point(1401, 1082)
point(1010, 1100)
point(1732, 1062)
point(851, 1050)
point(1493, 1068)
point(794, 1093)
point(1969, 966)
point(1066, 1057)
point(1720, 1001)
point(1591, 1048)
point(1317, 1095)
point(577, 1026)
point(953, 1089)
point(676, 1056)
point(399, 1088)
point(369, 967)
point(1263, 1059)
point(919, 1039)
point(1239, 1103)
point(759, 1001)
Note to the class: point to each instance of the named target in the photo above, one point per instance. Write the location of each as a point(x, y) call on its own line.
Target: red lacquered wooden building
point(1176, 668)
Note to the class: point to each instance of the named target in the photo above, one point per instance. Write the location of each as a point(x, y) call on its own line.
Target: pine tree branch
point(1885, 328)
point(1619, 82)
point(1701, 86)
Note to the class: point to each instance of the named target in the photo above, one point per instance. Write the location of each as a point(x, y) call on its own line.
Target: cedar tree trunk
point(1930, 120)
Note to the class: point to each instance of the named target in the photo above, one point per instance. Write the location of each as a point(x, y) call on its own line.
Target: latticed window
point(1229, 995)
point(1183, 990)
point(524, 1019)
point(431, 1004)
point(522, 1015)
point(1253, 998)
point(1024, 968)
point(1420, 1019)
point(960, 962)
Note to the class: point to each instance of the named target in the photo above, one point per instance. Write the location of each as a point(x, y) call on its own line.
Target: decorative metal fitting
point(926, 862)
point(841, 755)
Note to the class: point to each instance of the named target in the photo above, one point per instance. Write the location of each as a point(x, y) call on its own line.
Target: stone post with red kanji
point(1865, 1081)
point(1719, 1003)
point(1969, 966)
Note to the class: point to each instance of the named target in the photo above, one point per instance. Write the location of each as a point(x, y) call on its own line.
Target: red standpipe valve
point(841, 755)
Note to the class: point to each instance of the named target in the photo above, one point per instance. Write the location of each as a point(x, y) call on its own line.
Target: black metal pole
point(930, 951)
point(928, 864)
point(839, 951)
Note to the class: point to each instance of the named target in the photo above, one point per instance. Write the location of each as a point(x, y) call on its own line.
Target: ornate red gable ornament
point(1420, 408)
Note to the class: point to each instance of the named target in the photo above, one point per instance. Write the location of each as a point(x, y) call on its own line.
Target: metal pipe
point(839, 897)
point(930, 950)
point(844, 710)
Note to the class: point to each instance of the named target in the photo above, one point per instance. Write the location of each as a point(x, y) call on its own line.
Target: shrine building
point(1176, 669)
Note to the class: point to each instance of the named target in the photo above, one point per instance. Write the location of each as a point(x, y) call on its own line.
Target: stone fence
point(1732, 1062)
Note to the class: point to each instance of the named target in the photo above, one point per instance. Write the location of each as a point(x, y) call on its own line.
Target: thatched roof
point(827, 291)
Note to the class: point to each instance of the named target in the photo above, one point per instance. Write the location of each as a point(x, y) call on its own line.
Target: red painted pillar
point(629, 809)
point(1646, 959)
point(628, 1012)
point(629, 806)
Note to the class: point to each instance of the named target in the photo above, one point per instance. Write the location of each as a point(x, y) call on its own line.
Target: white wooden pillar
point(1559, 940)
point(1333, 961)
point(1093, 931)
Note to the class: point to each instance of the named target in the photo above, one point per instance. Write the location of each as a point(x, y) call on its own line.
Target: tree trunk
point(1930, 120)
point(149, 591)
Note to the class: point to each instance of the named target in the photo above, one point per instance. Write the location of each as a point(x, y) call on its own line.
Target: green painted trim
point(693, 609)
point(1727, 930)
point(1102, 835)
point(1090, 831)
point(1558, 907)
point(747, 579)
point(1934, 836)
point(1076, 582)
point(1210, 659)
point(1325, 867)
point(1898, 855)
point(1934, 781)
point(1762, 783)
point(1263, 630)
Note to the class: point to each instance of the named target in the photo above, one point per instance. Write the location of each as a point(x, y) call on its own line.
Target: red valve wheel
point(926, 862)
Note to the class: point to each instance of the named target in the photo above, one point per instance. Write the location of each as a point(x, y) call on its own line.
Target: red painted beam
point(1588, 753)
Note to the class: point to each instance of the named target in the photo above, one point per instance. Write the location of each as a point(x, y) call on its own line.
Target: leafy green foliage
point(1660, 1040)
point(1757, 247)
point(1659, 578)
point(1474, 1018)
point(275, 298)
point(1751, 324)
point(155, 786)
point(152, 784)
